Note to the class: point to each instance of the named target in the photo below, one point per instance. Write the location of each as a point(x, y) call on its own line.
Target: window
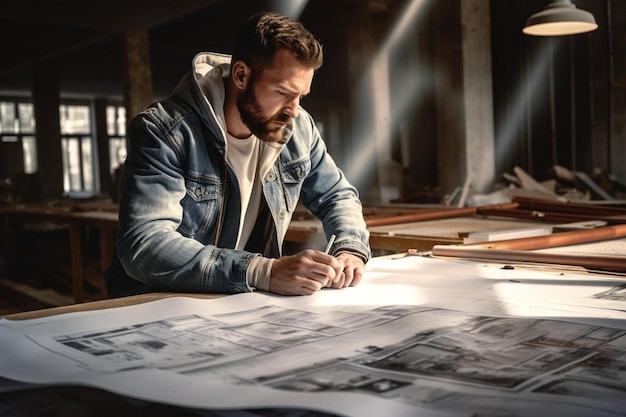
point(17, 125)
point(77, 149)
point(116, 131)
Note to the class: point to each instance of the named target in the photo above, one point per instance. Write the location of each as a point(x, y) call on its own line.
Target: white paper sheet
point(418, 336)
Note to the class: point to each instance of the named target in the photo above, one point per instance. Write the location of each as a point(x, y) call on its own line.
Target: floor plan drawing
point(348, 353)
point(443, 354)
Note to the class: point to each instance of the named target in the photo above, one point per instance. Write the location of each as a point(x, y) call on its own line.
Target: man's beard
point(250, 112)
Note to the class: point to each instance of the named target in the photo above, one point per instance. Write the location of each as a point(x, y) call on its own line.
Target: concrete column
point(137, 72)
point(464, 95)
point(476, 31)
point(46, 102)
point(372, 167)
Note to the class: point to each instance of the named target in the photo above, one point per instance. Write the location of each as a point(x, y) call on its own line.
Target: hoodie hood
point(209, 71)
point(203, 88)
point(210, 62)
point(213, 66)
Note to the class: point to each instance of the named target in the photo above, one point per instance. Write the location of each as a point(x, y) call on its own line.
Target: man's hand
point(304, 273)
point(351, 271)
point(310, 271)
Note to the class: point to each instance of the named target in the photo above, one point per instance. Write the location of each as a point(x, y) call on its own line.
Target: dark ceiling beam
point(26, 64)
point(113, 15)
point(111, 18)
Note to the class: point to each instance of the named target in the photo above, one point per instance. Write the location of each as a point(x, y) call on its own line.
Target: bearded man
point(214, 172)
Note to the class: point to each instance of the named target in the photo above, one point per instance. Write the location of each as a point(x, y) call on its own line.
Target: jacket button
point(198, 192)
point(271, 176)
point(282, 213)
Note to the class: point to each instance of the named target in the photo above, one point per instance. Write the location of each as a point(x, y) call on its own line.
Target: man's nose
point(291, 109)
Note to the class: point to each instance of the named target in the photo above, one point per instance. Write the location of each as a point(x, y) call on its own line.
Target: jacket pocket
point(293, 174)
point(200, 206)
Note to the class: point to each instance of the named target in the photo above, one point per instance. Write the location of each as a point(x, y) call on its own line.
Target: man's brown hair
point(265, 33)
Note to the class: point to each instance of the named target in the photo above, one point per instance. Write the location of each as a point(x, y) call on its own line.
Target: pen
point(330, 243)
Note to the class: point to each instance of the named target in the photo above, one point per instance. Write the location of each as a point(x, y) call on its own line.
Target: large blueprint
point(419, 336)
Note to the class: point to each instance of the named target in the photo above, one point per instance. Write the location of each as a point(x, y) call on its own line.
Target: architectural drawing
point(448, 360)
point(417, 337)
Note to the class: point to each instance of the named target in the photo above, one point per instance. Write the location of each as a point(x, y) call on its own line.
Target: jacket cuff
point(258, 273)
point(364, 258)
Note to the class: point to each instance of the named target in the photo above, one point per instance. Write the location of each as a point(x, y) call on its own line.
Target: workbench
point(393, 229)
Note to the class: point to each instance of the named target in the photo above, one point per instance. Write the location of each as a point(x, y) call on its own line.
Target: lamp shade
point(560, 17)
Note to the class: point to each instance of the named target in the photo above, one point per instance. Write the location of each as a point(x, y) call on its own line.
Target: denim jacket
point(179, 207)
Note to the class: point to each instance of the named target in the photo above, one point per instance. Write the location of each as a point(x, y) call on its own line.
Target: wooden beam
point(550, 216)
point(520, 249)
point(433, 214)
point(602, 262)
point(539, 204)
point(556, 239)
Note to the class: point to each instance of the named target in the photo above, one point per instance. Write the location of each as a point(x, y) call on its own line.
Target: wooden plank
point(400, 243)
point(529, 183)
point(520, 250)
point(538, 204)
point(433, 214)
point(556, 239)
point(591, 261)
point(536, 215)
point(552, 217)
point(491, 236)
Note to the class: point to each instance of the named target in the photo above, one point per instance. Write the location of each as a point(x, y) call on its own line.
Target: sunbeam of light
point(514, 116)
point(374, 295)
point(373, 122)
point(374, 135)
point(291, 8)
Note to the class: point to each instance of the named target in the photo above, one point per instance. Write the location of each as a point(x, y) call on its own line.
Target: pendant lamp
point(560, 17)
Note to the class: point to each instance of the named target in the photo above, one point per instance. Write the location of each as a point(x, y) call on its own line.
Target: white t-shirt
point(250, 158)
point(243, 156)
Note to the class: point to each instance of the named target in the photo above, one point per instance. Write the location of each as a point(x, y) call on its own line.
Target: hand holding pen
point(351, 271)
point(306, 272)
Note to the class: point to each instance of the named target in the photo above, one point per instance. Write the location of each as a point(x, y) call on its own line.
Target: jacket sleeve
point(150, 246)
point(330, 197)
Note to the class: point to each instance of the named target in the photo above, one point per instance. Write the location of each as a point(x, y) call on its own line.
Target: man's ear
point(240, 72)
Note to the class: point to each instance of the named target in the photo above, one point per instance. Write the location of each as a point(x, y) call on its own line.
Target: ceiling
point(84, 40)
point(39, 31)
